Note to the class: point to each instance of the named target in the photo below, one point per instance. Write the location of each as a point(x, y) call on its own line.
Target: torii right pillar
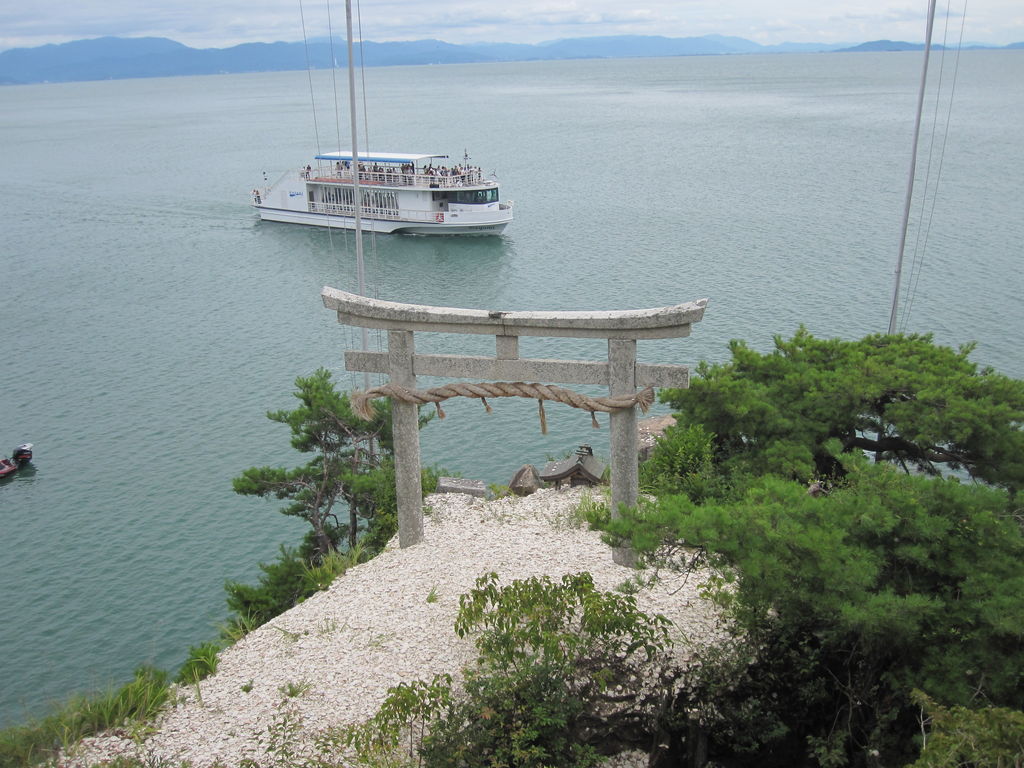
point(625, 465)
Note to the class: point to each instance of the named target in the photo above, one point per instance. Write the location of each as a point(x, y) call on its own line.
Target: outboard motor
point(22, 454)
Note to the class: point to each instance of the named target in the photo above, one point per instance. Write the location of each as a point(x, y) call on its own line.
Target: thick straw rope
point(361, 401)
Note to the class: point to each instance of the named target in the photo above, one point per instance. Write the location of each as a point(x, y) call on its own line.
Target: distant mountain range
point(112, 58)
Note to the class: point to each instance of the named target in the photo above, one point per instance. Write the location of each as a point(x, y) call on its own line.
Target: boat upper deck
point(394, 170)
point(392, 177)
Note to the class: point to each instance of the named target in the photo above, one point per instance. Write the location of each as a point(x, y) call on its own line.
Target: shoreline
point(329, 661)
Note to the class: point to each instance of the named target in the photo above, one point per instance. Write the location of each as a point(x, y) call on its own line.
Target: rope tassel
point(362, 402)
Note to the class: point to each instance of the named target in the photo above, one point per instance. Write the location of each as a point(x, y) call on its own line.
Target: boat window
point(476, 196)
point(467, 196)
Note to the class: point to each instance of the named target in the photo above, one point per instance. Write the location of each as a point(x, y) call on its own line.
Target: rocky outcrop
point(525, 481)
point(648, 432)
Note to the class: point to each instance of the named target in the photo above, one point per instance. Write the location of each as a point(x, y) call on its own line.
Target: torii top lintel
point(656, 323)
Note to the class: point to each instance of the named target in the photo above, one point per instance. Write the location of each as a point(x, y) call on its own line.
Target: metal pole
point(913, 168)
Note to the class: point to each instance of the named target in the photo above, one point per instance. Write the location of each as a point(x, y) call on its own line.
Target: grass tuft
point(200, 664)
point(595, 512)
point(292, 690)
point(238, 627)
point(332, 565)
point(41, 740)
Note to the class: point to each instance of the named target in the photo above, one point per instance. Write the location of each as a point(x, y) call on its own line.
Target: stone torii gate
point(621, 373)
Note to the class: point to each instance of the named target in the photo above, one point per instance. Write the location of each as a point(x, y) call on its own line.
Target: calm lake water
point(150, 321)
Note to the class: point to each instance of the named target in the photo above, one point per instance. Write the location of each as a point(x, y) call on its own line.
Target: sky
point(223, 23)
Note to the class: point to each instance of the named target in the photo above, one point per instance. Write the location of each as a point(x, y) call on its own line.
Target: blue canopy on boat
point(377, 157)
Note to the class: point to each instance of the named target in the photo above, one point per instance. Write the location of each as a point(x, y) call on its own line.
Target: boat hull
point(451, 226)
point(21, 457)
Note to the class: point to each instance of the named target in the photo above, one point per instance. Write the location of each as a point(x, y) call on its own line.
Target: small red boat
point(21, 456)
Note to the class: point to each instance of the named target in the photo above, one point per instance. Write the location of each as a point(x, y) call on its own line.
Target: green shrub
point(682, 461)
point(524, 717)
point(393, 735)
point(558, 678)
point(958, 736)
point(795, 410)
point(384, 523)
point(281, 586)
point(843, 603)
point(299, 573)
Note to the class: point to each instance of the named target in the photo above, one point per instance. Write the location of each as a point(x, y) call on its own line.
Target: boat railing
point(336, 209)
point(394, 178)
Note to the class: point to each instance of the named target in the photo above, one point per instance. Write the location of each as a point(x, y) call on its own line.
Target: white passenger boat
point(415, 194)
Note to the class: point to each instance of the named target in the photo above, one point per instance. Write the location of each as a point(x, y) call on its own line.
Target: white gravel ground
point(375, 627)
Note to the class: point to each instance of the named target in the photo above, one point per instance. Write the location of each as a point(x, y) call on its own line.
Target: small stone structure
point(621, 373)
point(582, 469)
point(462, 485)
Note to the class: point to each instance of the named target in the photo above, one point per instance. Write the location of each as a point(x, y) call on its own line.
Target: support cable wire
point(366, 124)
point(362, 71)
point(337, 116)
point(924, 229)
point(312, 102)
point(334, 77)
point(357, 198)
point(374, 255)
point(309, 75)
point(337, 128)
point(917, 254)
point(360, 272)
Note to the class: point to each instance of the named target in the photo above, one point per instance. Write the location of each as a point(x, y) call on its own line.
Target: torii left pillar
point(406, 433)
